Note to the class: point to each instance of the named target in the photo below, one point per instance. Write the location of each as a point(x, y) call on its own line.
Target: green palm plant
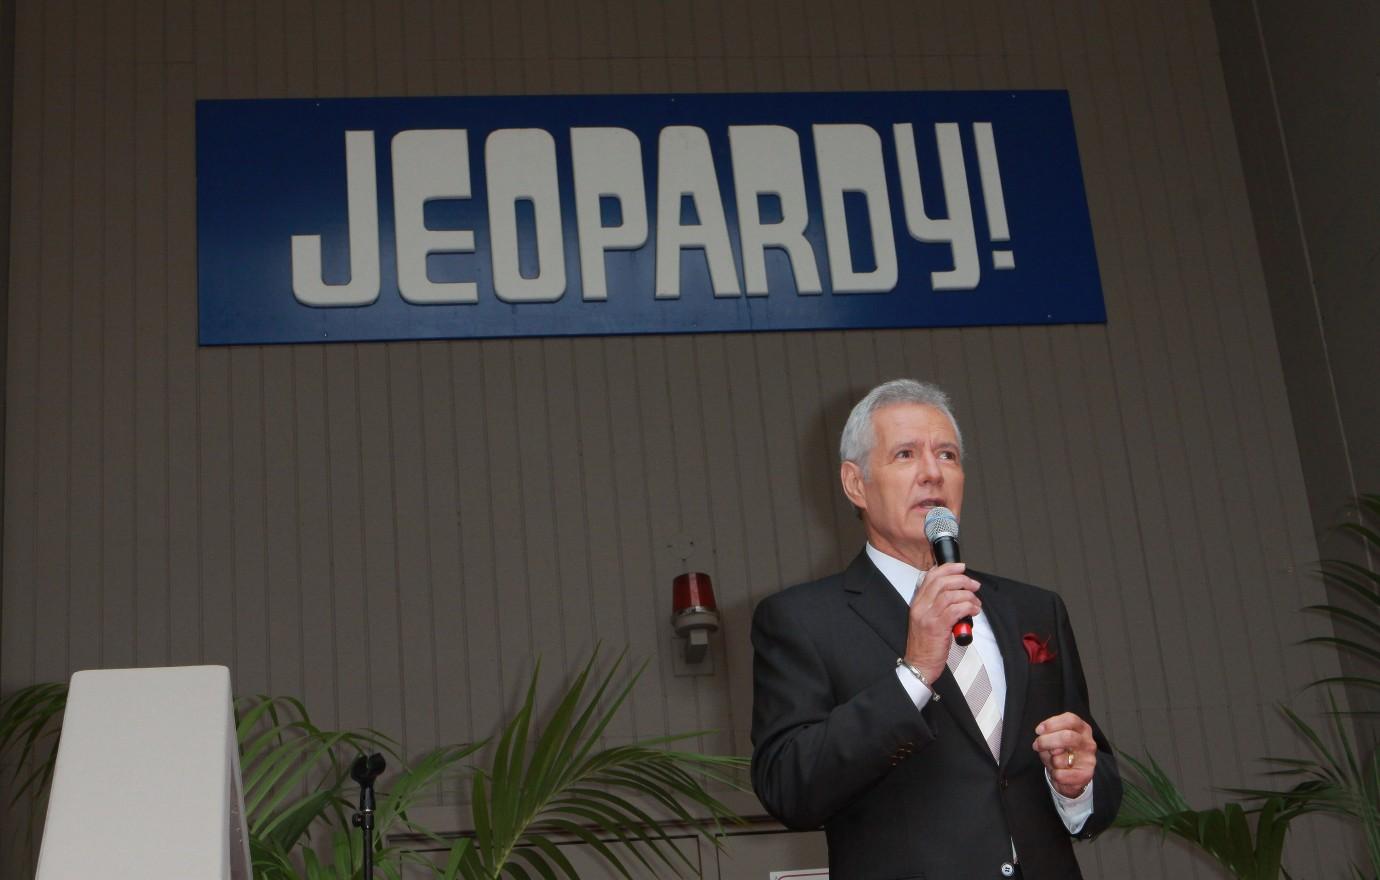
point(296, 783)
point(1224, 833)
point(565, 786)
point(26, 722)
point(1336, 779)
point(293, 771)
point(562, 786)
point(28, 736)
point(1359, 624)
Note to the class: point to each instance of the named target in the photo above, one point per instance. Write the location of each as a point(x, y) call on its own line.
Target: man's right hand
point(946, 596)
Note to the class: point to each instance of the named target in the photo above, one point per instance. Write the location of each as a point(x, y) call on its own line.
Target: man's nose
point(930, 471)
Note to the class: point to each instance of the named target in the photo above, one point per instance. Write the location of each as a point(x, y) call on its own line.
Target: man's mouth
point(931, 503)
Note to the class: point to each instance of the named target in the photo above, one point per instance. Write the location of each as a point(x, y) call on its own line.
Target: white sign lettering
point(522, 179)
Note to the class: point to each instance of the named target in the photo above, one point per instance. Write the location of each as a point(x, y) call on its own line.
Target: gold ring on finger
point(1070, 756)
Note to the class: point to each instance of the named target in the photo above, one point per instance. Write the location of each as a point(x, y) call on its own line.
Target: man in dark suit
point(920, 758)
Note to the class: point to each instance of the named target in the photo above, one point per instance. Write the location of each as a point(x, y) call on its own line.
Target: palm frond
point(295, 773)
point(1363, 622)
point(567, 787)
point(30, 726)
point(1357, 624)
point(1224, 833)
point(1353, 576)
point(1360, 530)
point(29, 721)
point(1337, 778)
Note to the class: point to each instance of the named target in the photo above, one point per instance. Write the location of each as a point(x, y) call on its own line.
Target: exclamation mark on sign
point(992, 198)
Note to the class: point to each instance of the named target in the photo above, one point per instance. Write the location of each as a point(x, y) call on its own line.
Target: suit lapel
point(1015, 664)
point(876, 602)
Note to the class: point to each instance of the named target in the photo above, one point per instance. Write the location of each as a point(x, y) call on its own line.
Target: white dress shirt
point(905, 578)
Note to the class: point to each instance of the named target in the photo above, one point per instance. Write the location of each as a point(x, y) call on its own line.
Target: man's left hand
point(1067, 749)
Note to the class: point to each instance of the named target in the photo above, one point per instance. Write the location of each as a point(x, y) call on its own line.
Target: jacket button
point(1004, 783)
point(1008, 869)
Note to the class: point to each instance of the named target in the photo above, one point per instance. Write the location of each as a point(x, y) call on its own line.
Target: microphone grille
point(940, 523)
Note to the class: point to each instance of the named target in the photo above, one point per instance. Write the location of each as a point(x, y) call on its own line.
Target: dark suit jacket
point(838, 743)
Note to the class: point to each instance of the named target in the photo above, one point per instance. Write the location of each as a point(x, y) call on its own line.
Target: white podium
point(147, 784)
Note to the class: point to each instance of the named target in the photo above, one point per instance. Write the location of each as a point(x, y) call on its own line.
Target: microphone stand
point(365, 771)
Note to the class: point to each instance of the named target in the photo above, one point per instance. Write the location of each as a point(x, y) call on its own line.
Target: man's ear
point(852, 478)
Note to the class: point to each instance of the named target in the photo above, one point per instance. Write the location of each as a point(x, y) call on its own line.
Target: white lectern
point(147, 783)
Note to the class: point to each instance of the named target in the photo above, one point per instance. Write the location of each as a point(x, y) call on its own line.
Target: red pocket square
point(1037, 649)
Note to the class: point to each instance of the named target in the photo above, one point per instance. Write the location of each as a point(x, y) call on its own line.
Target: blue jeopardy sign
point(427, 218)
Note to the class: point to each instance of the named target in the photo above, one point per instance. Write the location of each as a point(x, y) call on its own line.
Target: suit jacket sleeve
point(812, 754)
point(1106, 778)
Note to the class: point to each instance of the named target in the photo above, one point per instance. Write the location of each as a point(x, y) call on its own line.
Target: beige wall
point(395, 531)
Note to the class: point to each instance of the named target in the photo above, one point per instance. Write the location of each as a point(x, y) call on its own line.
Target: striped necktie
point(968, 670)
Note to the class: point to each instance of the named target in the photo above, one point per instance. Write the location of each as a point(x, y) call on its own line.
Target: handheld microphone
point(941, 527)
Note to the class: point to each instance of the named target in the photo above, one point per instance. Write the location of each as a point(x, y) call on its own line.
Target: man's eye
point(905, 453)
point(949, 455)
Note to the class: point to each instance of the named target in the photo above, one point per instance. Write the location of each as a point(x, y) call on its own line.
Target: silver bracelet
point(913, 670)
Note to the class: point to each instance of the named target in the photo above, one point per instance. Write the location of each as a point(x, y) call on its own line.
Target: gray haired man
point(920, 757)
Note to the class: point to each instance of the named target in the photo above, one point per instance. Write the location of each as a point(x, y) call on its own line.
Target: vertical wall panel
point(395, 532)
point(379, 606)
point(732, 587)
point(442, 529)
point(88, 177)
point(215, 551)
point(19, 638)
point(507, 506)
point(152, 623)
point(245, 497)
point(347, 540)
point(691, 462)
point(478, 629)
point(534, 546)
point(674, 547)
point(838, 393)
point(411, 572)
point(53, 366)
point(631, 488)
point(116, 544)
point(313, 526)
point(580, 502)
point(782, 431)
point(183, 511)
point(21, 352)
point(753, 454)
point(816, 465)
point(285, 632)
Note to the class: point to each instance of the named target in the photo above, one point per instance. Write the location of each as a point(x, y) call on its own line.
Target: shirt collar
point(903, 576)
